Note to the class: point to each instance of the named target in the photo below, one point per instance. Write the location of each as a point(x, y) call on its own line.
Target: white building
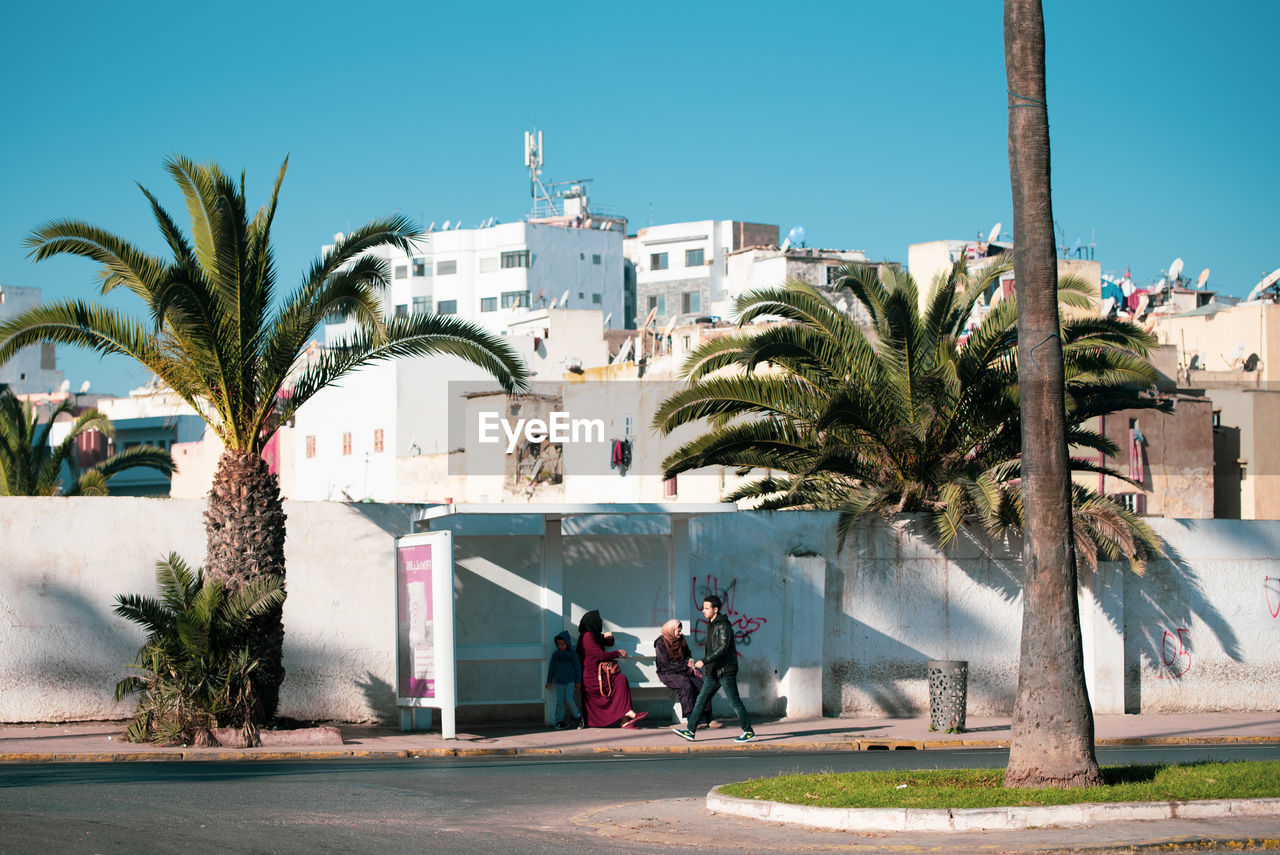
point(698, 269)
point(34, 368)
point(496, 274)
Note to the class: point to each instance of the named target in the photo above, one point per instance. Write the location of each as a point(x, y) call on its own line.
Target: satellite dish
point(431, 228)
point(564, 299)
point(84, 387)
point(1238, 353)
point(623, 352)
point(1075, 247)
point(796, 235)
point(538, 299)
point(64, 387)
point(786, 244)
point(994, 234)
point(1175, 270)
point(1204, 277)
point(553, 305)
point(671, 324)
point(338, 238)
point(446, 226)
point(653, 313)
point(1107, 305)
point(1266, 282)
point(607, 318)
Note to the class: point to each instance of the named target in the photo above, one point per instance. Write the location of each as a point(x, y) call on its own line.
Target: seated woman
point(606, 697)
point(675, 669)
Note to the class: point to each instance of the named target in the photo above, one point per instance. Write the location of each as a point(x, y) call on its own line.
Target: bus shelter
point(483, 589)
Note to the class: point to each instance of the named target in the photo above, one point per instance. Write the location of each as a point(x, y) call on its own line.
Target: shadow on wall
point(395, 520)
point(1159, 614)
point(380, 696)
point(75, 679)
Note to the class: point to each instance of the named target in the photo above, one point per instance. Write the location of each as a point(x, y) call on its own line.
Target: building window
point(595, 299)
point(519, 258)
point(447, 268)
point(48, 356)
point(311, 447)
point(833, 274)
point(669, 488)
point(659, 302)
point(377, 441)
point(488, 304)
point(421, 268)
point(402, 271)
point(447, 307)
point(694, 258)
point(421, 306)
point(511, 299)
point(595, 259)
point(690, 301)
point(658, 261)
point(402, 310)
point(489, 264)
point(346, 445)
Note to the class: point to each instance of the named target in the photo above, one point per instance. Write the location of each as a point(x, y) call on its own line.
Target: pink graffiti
point(1271, 584)
point(1177, 658)
point(744, 626)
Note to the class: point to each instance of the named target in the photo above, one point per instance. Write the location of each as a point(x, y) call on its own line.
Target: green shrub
point(196, 669)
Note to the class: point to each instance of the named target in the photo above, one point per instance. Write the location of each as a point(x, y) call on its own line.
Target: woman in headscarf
point(606, 696)
point(675, 669)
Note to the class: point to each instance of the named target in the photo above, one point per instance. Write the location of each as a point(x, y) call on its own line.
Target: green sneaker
point(683, 733)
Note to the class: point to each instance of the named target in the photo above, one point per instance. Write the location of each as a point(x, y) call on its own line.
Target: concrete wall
point(844, 632)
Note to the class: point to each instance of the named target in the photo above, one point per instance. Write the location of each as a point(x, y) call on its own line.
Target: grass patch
point(981, 788)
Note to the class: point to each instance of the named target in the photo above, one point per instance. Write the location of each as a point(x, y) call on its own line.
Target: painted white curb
point(976, 819)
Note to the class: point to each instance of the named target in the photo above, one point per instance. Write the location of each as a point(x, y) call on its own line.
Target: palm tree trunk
point(244, 524)
point(1052, 737)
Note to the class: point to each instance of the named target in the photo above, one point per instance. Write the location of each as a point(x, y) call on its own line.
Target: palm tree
point(30, 466)
point(196, 672)
point(224, 339)
point(900, 416)
point(1051, 684)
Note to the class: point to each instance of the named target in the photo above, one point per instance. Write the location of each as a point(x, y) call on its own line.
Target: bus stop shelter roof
point(560, 511)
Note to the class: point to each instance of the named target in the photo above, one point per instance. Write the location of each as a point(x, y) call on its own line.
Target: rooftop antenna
point(1204, 277)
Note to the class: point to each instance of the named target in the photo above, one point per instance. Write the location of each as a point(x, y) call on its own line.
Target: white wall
point(848, 631)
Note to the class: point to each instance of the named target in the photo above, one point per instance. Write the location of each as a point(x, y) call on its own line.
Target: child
point(565, 672)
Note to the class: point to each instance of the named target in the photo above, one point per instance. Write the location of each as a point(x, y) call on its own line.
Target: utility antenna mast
point(533, 160)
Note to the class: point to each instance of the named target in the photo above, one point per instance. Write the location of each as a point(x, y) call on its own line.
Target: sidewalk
point(101, 741)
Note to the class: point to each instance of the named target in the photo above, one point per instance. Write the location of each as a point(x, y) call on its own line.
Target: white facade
point(492, 276)
point(680, 267)
point(34, 368)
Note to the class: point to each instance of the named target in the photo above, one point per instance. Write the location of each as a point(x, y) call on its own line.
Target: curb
point(984, 819)
point(853, 744)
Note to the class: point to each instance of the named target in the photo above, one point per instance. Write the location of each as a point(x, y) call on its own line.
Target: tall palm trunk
point(245, 527)
point(1052, 738)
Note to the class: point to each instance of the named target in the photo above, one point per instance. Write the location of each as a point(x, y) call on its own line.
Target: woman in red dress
point(606, 698)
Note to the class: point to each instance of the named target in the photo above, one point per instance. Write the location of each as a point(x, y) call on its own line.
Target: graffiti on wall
point(744, 626)
point(1174, 652)
point(1271, 585)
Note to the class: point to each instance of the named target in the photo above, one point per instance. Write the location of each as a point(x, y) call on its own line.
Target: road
point(526, 805)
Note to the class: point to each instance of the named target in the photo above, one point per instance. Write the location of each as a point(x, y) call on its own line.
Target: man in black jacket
point(719, 666)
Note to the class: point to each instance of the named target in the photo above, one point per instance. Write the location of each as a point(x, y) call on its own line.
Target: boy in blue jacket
point(564, 671)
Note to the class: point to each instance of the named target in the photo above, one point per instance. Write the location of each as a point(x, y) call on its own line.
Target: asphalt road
point(526, 805)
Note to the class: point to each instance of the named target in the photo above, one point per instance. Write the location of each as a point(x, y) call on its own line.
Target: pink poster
point(416, 635)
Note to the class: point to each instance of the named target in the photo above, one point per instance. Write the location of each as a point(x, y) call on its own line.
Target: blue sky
point(873, 125)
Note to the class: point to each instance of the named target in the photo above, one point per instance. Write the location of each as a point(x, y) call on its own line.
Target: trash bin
point(948, 694)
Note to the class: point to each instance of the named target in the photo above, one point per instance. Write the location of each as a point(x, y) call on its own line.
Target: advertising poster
point(416, 635)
